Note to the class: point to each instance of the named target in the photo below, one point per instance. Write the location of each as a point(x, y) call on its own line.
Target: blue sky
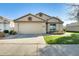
point(15, 10)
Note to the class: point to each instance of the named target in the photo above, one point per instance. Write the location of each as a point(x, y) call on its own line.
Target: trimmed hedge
point(73, 31)
point(12, 32)
point(6, 31)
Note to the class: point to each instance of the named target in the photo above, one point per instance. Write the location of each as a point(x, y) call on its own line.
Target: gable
point(55, 20)
point(49, 18)
point(29, 16)
point(44, 16)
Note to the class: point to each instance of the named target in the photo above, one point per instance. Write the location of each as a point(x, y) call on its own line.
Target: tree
point(74, 12)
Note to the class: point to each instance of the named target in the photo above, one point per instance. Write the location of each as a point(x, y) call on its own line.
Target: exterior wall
point(4, 27)
point(30, 28)
point(48, 27)
point(16, 27)
point(1, 27)
point(7, 27)
point(59, 27)
point(4, 24)
point(72, 27)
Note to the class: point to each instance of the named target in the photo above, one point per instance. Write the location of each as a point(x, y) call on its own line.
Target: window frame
point(52, 27)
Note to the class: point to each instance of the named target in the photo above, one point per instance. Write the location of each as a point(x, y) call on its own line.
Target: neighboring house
point(4, 24)
point(72, 27)
point(38, 24)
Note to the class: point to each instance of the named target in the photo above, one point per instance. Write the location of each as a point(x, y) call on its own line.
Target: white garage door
point(32, 28)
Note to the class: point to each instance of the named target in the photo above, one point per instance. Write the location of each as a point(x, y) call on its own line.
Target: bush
point(6, 31)
point(12, 32)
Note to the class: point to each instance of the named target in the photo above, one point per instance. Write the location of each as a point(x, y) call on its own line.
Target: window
point(40, 14)
point(52, 27)
point(29, 18)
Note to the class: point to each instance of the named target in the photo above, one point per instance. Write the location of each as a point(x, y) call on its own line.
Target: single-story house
point(72, 27)
point(37, 24)
point(4, 24)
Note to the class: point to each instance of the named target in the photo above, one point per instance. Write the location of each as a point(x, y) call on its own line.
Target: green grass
point(73, 39)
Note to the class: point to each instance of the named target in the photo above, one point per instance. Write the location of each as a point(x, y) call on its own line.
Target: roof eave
point(27, 15)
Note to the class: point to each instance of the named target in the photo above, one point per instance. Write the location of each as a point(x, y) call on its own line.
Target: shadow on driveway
point(20, 36)
point(59, 50)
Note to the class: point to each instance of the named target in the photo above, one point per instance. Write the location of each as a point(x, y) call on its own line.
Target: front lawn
point(73, 39)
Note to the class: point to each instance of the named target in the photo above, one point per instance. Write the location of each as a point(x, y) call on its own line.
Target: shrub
point(12, 32)
point(6, 31)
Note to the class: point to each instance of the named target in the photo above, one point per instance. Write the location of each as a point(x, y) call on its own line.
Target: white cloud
point(68, 22)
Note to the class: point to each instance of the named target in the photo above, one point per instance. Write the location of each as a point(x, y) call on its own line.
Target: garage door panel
point(31, 28)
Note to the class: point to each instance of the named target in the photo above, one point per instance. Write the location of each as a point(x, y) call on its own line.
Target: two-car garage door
point(32, 28)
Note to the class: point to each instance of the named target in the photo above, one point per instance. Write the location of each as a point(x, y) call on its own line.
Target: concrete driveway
point(20, 45)
point(22, 38)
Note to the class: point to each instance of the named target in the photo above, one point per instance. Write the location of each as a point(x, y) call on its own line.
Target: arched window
point(30, 18)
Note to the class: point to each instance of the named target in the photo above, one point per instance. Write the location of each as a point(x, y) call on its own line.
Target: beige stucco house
point(4, 24)
point(72, 27)
point(37, 24)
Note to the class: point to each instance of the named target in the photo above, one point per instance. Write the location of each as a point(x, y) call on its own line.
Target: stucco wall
point(59, 27)
point(48, 27)
point(7, 27)
point(72, 28)
point(16, 27)
point(4, 27)
point(1, 27)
